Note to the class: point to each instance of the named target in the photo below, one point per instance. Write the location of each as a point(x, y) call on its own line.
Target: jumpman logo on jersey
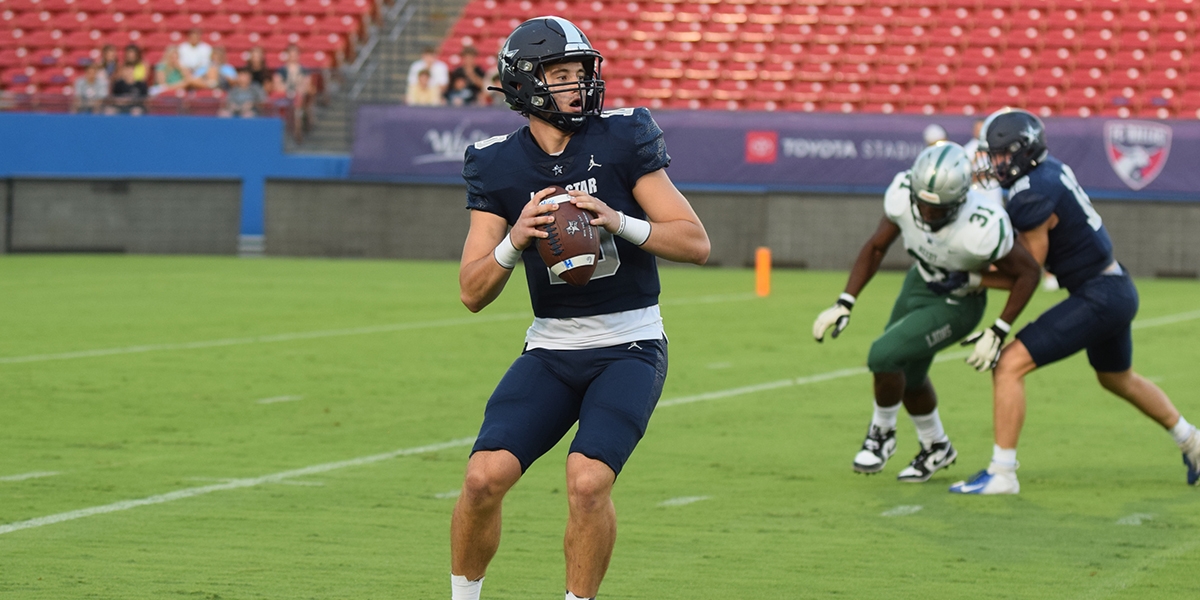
point(634, 346)
point(592, 163)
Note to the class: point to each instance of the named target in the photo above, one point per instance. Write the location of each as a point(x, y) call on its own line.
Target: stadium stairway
point(380, 73)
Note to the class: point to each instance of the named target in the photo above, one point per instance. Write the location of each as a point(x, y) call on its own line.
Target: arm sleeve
point(1028, 209)
point(649, 147)
point(476, 194)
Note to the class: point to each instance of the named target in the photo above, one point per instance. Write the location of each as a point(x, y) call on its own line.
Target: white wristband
point(633, 229)
point(1002, 326)
point(506, 253)
point(848, 298)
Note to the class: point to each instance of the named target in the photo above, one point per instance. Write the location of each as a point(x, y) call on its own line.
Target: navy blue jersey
point(1079, 244)
point(605, 158)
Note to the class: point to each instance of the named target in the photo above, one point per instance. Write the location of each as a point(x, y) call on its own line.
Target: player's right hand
point(533, 217)
point(836, 316)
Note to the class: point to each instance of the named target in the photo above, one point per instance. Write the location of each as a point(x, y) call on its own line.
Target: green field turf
point(133, 378)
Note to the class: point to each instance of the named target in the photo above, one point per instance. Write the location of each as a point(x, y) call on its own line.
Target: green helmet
point(940, 178)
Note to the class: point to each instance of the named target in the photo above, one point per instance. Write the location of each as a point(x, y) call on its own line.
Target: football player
point(595, 354)
point(1060, 228)
point(955, 235)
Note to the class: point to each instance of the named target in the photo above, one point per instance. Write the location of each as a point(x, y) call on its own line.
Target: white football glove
point(987, 344)
point(836, 316)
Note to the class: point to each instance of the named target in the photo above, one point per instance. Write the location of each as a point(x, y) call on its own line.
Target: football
point(573, 248)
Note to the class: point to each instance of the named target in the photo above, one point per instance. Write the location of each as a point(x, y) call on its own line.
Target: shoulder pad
point(618, 112)
point(495, 139)
point(991, 239)
point(897, 199)
point(1019, 186)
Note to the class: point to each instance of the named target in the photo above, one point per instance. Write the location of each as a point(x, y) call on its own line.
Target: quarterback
point(595, 354)
point(954, 234)
point(1060, 228)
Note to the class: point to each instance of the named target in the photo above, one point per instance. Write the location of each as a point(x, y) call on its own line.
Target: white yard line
point(902, 511)
point(277, 477)
point(311, 335)
point(230, 485)
point(277, 399)
point(683, 501)
point(24, 476)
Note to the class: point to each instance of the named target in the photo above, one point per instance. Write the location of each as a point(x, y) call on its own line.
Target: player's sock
point(1182, 431)
point(885, 417)
point(1004, 459)
point(571, 596)
point(462, 588)
point(929, 428)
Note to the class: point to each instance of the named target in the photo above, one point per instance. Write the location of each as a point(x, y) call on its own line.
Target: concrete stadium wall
point(364, 220)
point(389, 220)
point(385, 220)
point(117, 215)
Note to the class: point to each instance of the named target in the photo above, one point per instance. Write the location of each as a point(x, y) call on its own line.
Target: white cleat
point(988, 482)
point(877, 448)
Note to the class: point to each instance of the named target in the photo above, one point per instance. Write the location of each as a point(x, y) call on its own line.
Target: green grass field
point(224, 428)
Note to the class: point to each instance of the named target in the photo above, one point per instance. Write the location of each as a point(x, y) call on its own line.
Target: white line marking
point(230, 485)
point(447, 495)
point(1135, 519)
point(33, 475)
point(902, 511)
point(683, 500)
point(277, 399)
point(719, 365)
point(1122, 581)
point(310, 335)
point(242, 483)
point(1166, 320)
point(264, 339)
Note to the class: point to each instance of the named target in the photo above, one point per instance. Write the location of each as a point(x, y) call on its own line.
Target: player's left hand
point(987, 348)
point(606, 217)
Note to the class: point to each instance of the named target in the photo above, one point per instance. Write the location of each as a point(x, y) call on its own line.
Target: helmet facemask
point(544, 104)
point(942, 214)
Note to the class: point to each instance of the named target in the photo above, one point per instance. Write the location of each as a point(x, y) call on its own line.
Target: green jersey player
point(956, 236)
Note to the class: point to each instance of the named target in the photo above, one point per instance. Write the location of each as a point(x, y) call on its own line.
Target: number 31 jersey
point(980, 234)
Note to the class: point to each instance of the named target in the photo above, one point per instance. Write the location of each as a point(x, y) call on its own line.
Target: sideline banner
point(820, 152)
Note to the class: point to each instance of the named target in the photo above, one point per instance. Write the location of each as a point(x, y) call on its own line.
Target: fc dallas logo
point(1137, 150)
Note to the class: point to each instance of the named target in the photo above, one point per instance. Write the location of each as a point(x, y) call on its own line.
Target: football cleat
point(929, 461)
point(988, 482)
point(879, 446)
point(1191, 457)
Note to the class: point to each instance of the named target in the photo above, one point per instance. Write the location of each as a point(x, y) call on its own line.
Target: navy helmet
point(537, 44)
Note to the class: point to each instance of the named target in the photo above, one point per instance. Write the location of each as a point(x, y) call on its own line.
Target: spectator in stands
point(439, 76)
point(933, 134)
point(495, 98)
point(472, 74)
point(294, 81)
point(259, 72)
point(219, 74)
point(424, 93)
point(110, 62)
point(460, 93)
point(169, 75)
point(195, 53)
point(244, 97)
point(133, 58)
point(90, 90)
point(128, 93)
